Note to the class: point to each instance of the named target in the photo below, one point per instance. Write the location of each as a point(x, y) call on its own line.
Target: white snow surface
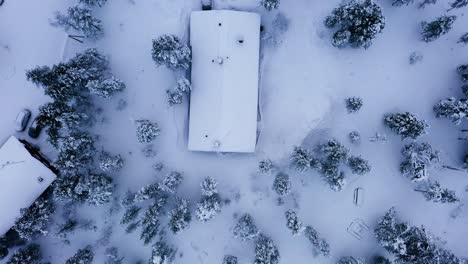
point(19, 181)
point(304, 82)
point(223, 102)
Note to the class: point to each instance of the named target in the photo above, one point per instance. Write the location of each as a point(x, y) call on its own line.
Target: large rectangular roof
point(225, 64)
point(23, 179)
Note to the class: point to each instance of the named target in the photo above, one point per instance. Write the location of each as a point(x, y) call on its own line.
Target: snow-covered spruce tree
point(106, 88)
point(301, 158)
point(169, 51)
point(209, 186)
point(463, 71)
point(424, 3)
point(266, 252)
point(463, 38)
point(172, 181)
point(348, 260)
point(34, 220)
point(176, 95)
point(433, 192)
point(210, 204)
point(353, 104)
point(270, 4)
point(82, 256)
point(282, 184)
point(319, 244)
point(60, 115)
point(464, 89)
point(406, 125)
point(245, 228)
point(130, 214)
point(359, 165)
point(150, 191)
point(30, 255)
point(99, 3)
point(458, 4)
point(433, 30)
point(334, 151)
point(293, 222)
point(150, 223)
point(358, 22)
point(147, 131)
point(112, 256)
point(401, 2)
point(265, 166)
point(109, 163)
point(381, 260)
point(229, 259)
point(180, 216)
point(417, 158)
point(388, 231)
point(80, 19)
point(332, 175)
point(93, 189)
point(162, 253)
point(455, 110)
point(354, 137)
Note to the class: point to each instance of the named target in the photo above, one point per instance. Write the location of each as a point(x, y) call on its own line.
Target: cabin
point(225, 76)
point(24, 175)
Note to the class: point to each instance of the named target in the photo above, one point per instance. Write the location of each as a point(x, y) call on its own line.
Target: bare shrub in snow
point(454, 110)
point(301, 158)
point(358, 21)
point(176, 95)
point(282, 184)
point(353, 104)
point(162, 253)
point(463, 38)
point(31, 254)
point(266, 166)
point(180, 216)
point(266, 252)
point(417, 158)
point(270, 4)
point(34, 219)
point(354, 137)
point(245, 228)
point(433, 192)
point(112, 256)
point(319, 244)
point(109, 163)
point(147, 131)
point(406, 125)
point(293, 222)
point(228, 259)
point(415, 57)
point(359, 165)
point(433, 30)
point(169, 51)
point(80, 19)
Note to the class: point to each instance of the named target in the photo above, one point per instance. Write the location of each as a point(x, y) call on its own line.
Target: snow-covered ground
point(304, 83)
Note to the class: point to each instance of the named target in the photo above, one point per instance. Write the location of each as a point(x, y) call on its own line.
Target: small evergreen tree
point(381, 260)
point(319, 244)
point(359, 165)
point(417, 158)
point(93, 189)
point(424, 3)
point(109, 163)
point(334, 151)
point(150, 223)
point(301, 158)
point(458, 4)
point(401, 2)
point(28, 255)
point(433, 192)
point(83, 256)
point(80, 19)
point(34, 220)
point(245, 228)
point(265, 166)
point(176, 95)
point(228, 259)
point(147, 131)
point(76, 153)
point(406, 125)
point(282, 184)
point(208, 207)
point(169, 51)
point(293, 223)
point(266, 252)
point(112, 256)
point(130, 214)
point(354, 137)
point(179, 217)
point(455, 110)
point(270, 4)
point(359, 22)
point(162, 253)
point(463, 38)
point(463, 71)
point(172, 181)
point(105, 88)
point(433, 30)
point(209, 186)
point(353, 104)
point(332, 175)
point(348, 260)
point(99, 3)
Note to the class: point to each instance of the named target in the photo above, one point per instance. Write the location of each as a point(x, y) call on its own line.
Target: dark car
point(35, 128)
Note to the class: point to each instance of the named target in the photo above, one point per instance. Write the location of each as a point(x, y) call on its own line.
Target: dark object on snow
point(207, 5)
point(2, 2)
point(35, 128)
point(435, 29)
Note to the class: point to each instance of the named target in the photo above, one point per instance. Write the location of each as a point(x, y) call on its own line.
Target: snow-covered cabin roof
point(225, 64)
point(23, 178)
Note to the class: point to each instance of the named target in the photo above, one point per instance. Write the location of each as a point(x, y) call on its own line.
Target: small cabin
point(225, 76)
point(24, 175)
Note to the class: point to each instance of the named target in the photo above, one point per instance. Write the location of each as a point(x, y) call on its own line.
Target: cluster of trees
point(410, 244)
point(79, 19)
point(353, 104)
point(406, 125)
point(210, 203)
point(358, 23)
point(330, 156)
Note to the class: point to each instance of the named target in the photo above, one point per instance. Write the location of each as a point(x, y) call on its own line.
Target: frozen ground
point(304, 83)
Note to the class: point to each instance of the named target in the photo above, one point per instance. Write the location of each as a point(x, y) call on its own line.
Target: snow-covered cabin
point(225, 76)
point(24, 175)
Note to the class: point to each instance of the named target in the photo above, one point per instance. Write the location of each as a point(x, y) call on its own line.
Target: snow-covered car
point(35, 128)
point(22, 120)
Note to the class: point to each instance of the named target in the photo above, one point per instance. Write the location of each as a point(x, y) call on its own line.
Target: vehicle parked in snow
point(22, 120)
point(35, 128)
